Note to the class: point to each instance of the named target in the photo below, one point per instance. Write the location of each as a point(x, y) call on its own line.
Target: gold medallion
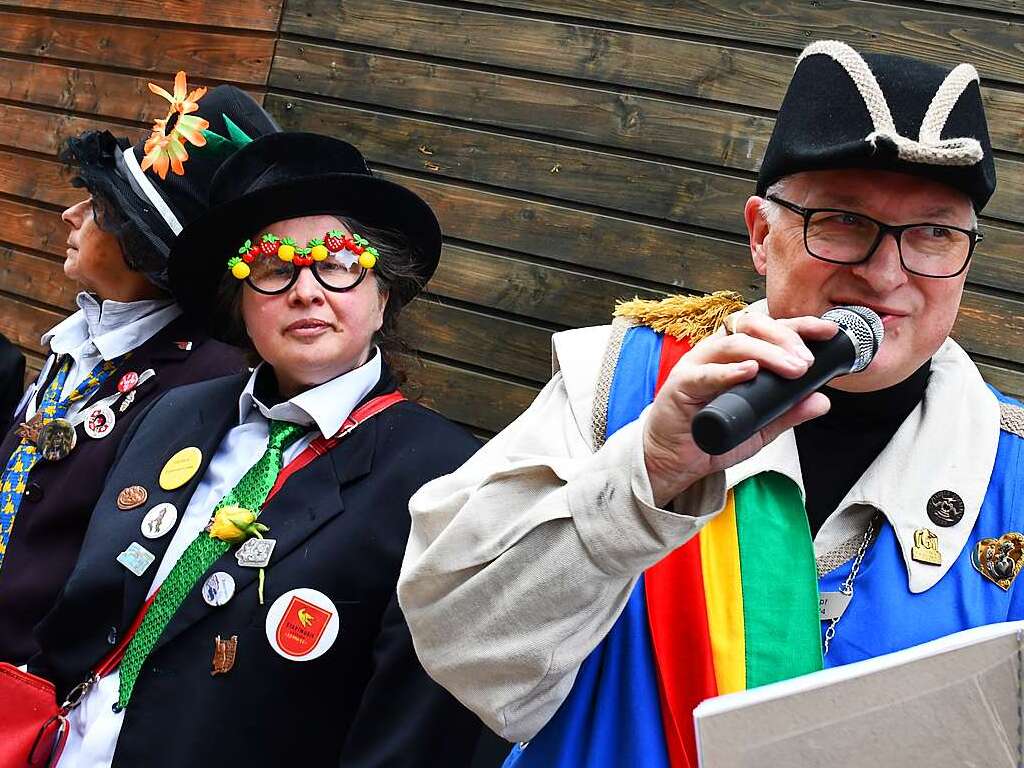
point(926, 547)
point(131, 497)
point(180, 468)
point(1000, 560)
point(224, 652)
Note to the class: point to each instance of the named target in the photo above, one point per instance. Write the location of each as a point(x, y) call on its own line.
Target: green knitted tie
point(250, 493)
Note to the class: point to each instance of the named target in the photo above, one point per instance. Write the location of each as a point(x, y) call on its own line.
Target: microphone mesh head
point(865, 329)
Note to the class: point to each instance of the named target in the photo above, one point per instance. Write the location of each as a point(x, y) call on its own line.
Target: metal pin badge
point(1000, 560)
point(56, 439)
point(99, 422)
point(945, 508)
point(136, 558)
point(926, 547)
point(224, 653)
point(159, 520)
point(255, 553)
point(218, 589)
point(131, 497)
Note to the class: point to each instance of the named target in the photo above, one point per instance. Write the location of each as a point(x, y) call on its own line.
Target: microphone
point(735, 415)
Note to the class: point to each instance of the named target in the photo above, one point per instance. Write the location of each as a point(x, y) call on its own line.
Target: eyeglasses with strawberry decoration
point(338, 261)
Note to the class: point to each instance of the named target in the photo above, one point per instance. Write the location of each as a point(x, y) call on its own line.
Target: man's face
point(918, 312)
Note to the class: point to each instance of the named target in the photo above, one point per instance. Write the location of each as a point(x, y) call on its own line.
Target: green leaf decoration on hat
point(235, 140)
point(238, 136)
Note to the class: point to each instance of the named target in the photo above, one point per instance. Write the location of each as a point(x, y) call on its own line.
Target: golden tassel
point(689, 317)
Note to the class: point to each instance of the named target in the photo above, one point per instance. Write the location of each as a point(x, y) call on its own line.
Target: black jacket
point(60, 495)
point(12, 381)
point(341, 525)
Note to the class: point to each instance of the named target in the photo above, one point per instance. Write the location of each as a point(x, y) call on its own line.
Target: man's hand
point(719, 362)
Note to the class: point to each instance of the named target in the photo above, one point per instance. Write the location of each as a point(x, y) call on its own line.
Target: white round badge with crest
point(302, 624)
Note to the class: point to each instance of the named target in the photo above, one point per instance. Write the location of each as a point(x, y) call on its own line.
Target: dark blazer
point(60, 496)
point(341, 525)
point(12, 381)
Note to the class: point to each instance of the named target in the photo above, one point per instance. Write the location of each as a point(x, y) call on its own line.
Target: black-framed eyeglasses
point(274, 276)
point(927, 249)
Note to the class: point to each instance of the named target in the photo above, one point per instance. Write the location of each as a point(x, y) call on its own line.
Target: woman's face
point(94, 258)
point(310, 334)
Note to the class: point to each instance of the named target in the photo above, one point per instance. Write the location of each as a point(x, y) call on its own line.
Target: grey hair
point(771, 211)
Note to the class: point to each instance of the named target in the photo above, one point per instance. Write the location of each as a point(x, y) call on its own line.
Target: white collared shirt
point(94, 727)
point(100, 331)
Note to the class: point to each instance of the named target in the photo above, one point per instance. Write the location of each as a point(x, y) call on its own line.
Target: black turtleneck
point(837, 448)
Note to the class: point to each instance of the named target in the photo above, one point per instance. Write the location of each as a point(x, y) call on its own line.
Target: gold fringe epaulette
point(1011, 419)
point(690, 317)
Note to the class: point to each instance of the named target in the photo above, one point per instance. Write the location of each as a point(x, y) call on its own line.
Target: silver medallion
point(159, 520)
point(99, 422)
point(56, 439)
point(255, 553)
point(136, 558)
point(218, 589)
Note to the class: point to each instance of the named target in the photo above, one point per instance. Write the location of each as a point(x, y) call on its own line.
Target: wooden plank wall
point(577, 151)
point(70, 65)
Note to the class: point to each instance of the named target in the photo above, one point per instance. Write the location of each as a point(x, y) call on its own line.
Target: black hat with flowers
point(142, 190)
point(291, 175)
point(882, 112)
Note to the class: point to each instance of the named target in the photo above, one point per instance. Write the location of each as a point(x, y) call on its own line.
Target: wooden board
point(239, 14)
point(42, 131)
point(235, 58)
point(990, 43)
point(511, 347)
point(468, 397)
point(84, 90)
point(719, 134)
point(37, 278)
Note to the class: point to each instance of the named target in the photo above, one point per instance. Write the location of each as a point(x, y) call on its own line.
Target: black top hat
point(159, 208)
point(286, 176)
point(882, 112)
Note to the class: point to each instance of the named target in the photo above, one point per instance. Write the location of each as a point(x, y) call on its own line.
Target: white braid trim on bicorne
point(928, 148)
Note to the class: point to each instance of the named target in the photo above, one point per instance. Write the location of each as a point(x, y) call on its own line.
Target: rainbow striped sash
point(735, 607)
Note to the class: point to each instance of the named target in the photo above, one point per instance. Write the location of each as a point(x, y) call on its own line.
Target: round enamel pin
point(128, 382)
point(218, 589)
point(302, 624)
point(100, 422)
point(180, 468)
point(159, 520)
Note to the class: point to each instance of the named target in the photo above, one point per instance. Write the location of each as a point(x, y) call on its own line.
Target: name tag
point(832, 605)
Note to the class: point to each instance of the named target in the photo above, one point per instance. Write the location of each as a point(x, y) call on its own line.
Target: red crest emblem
point(301, 627)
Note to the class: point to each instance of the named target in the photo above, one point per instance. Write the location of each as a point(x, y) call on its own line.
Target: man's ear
point(757, 230)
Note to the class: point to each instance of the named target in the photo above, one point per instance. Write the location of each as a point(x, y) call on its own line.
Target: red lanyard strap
point(322, 445)
point(318, 447)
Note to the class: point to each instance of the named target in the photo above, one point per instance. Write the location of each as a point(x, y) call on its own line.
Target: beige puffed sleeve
point(520, 561)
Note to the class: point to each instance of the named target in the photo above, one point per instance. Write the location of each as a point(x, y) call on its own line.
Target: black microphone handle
point(735, 415)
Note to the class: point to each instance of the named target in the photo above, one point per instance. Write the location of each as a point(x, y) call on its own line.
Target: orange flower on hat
point(165, 147)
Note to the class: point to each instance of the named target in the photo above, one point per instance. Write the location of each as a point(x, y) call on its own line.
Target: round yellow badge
point(180, 468)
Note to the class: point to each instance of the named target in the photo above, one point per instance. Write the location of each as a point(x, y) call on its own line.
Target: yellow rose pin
point(235, 524)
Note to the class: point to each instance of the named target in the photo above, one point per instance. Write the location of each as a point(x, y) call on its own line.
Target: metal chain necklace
point(847, 586)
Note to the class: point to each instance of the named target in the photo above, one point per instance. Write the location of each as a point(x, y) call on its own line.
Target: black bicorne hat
point(161, 207)
point(285, 176)
point(882, 112)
